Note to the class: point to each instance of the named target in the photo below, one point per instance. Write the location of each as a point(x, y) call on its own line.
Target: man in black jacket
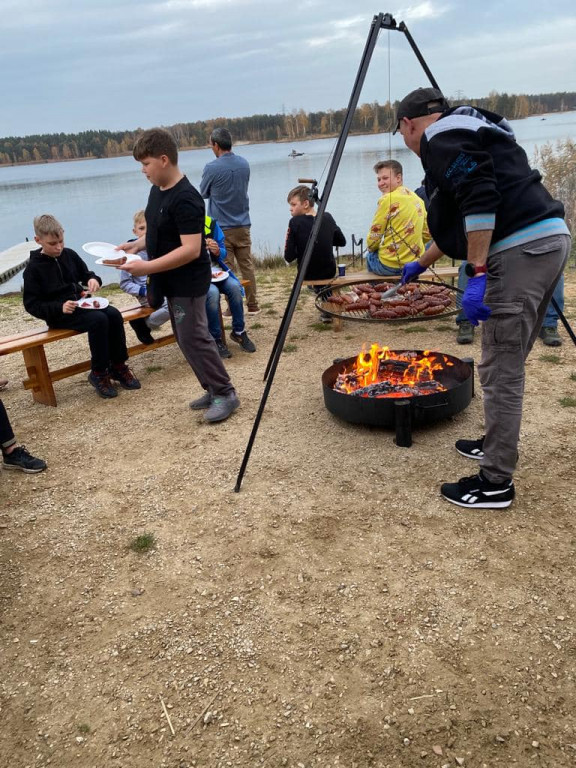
point(488, 207)
point(53, 287)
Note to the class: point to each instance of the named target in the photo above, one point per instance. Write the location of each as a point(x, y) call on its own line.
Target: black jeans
point(6, 435)
point(106, 336)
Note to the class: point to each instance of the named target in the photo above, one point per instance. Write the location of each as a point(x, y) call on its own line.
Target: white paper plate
point(100, 299)
point(117, 254)
point(102, 250)
point(218, 275)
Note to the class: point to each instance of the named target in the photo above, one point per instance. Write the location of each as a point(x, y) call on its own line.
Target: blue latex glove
point(473, 300)
point(411, 271)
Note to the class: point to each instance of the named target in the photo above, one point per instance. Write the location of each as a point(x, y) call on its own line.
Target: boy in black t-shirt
point(180, 266)
point(322, 265)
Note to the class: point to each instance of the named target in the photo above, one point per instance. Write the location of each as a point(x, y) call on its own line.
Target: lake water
point(95, 199)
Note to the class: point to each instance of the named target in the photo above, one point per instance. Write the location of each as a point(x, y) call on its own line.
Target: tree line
point(297, 124)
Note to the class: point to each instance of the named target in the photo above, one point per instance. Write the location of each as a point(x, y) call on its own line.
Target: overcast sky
point(72, 65)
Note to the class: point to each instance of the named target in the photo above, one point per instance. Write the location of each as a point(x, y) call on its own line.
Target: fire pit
point(398, 389)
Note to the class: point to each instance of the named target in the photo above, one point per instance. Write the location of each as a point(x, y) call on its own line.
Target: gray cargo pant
point(190, 327)
point(521, 281)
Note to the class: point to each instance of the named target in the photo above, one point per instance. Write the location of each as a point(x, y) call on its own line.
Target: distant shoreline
point(310, 137)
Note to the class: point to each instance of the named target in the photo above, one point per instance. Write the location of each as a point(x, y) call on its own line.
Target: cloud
point(425, 10)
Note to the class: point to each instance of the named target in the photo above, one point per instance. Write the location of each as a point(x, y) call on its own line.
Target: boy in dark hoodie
point(55, 279)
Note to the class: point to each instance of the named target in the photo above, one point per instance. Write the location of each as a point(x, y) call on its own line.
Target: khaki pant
point(520, 284)
point(238, 246)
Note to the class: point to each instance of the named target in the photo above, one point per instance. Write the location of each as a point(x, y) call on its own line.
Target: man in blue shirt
point(225, 185)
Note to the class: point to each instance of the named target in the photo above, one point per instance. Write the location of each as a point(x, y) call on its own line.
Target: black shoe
point(472, 449)
point(550, 336)
point(242, 339)
point(21, 459)
point(223, 350)
point(125, 377)
point(142, 331)
point(465, 333)
point(477, 492)
point(102, 384)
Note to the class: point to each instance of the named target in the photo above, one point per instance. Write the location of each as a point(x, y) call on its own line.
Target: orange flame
point(407, 377)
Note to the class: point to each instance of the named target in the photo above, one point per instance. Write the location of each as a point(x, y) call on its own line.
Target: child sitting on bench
point(55, 279)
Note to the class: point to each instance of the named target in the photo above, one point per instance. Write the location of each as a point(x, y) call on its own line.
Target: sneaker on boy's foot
point(21, 459)
point(223, 350)
point(465, 333)
point(142, 331)
point(242, 339)
point(254, 310)
point(202, 402)
point(102, 384)
point(472, 449)
point(226, 313)
point(125, 377)
point(222, 407)
point(477, 492)
point(550, 336)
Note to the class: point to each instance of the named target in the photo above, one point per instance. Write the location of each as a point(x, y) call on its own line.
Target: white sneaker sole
point(477, 457)
point(481, 505)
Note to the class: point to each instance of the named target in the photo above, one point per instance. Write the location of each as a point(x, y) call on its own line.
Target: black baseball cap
point(422, 101)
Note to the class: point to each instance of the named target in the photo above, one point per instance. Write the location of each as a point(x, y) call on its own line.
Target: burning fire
point(380, 372)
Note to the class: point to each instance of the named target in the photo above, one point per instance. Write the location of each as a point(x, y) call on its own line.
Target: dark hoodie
point(478, 178)
point(49, 281)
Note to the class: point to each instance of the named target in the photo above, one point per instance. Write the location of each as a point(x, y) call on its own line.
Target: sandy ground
point(336, 612)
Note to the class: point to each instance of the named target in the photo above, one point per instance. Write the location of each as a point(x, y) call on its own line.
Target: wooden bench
point(40, 378)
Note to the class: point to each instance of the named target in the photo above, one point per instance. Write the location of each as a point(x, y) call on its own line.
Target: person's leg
point(241, 243)
point(94, 322)
point(116, 336)
point(198, 347)
point(7, 438)
point(15, 456)
point(213, 317)
point(520, 283)
point(465, 328)
point(233, 291)
point(374, 265)
point(549, 331)
point(212, 313)
point(158, 317)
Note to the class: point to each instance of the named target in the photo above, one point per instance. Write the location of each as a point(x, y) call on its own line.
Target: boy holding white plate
point(179, 266)
point(54, 291)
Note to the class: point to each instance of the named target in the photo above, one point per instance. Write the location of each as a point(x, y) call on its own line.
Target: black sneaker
point(102, 384)
point(550, 336)
point(125, 377)
point(21, 459)
point(472, 449)
point(477, 492)
point(223, 350)
point(142, 331)
point(242, 339)
point(465, 333)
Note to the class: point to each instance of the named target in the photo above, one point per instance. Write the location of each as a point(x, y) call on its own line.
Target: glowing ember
point(380, 372)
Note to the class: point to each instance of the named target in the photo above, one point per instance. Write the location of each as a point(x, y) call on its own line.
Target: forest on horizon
point(294, 126)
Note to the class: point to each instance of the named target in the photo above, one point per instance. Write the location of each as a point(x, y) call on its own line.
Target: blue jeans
point(233, 291)
point(375, 265)
point(550, 318)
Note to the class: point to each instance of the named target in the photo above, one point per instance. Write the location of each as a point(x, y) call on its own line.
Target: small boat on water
point(295, 154)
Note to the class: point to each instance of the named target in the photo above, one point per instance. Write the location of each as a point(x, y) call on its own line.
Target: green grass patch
point(572, 377)
point(84, 728)
point(153, 368)
point(320, 327)
point(444, 327)
point(554, 359)
point(271, 312)
point(256, 326)
point(268, 305)
point(412, 329)
point(568, 402)
point(143, 543)
point(348, 338)
point(288, 348)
